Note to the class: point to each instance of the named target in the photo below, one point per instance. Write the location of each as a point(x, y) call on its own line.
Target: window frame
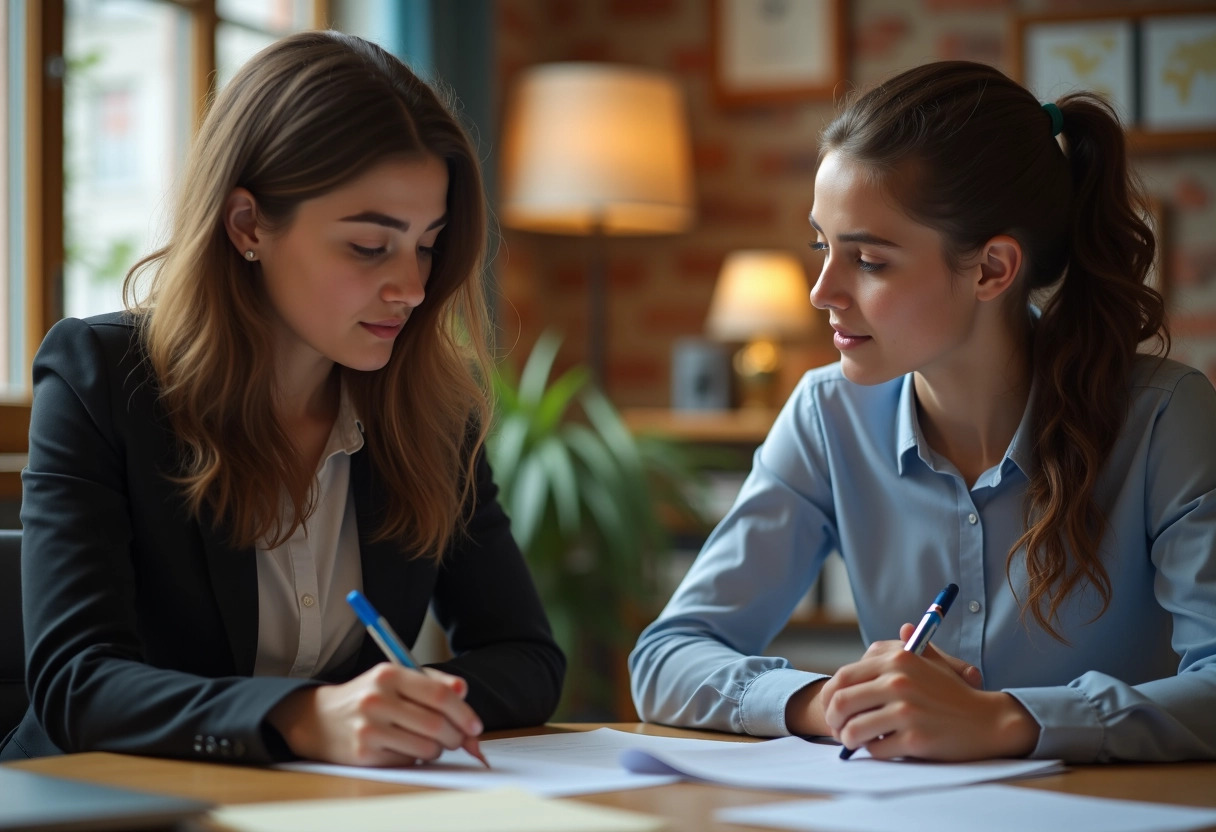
point(42, 198)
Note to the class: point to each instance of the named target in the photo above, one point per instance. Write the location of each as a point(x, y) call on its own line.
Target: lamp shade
point(596, 148)
point(760, 294)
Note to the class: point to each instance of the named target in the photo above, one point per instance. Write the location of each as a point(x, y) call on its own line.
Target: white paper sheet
point(496, 810)
point(991, 808)
point(793, 764)
point(553, 765)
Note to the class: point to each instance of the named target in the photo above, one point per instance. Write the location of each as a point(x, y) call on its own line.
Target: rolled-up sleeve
point(698, 664)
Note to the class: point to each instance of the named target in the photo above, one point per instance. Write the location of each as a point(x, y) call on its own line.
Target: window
point(124, 131)
point(98, 99)
point(12, 356)
point(245, 26)
point(127, 122)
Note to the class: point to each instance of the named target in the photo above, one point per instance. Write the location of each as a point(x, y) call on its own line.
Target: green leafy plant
point(586, 500)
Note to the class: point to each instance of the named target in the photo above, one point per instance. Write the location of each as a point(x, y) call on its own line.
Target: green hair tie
point(1057, 118)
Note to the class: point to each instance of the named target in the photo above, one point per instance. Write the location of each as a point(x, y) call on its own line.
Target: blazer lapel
point(397, 584)
point(234, 574)
point(234, 580)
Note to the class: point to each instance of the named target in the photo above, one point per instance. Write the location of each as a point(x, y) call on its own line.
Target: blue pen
point(924, 631)
point(390, 644)
point(380, 630)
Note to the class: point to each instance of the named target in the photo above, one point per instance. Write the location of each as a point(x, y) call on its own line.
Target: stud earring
point(250, 256)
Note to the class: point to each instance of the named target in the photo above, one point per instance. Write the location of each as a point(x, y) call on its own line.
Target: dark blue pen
point(928, 625)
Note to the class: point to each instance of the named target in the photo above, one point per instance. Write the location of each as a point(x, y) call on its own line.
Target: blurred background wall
point(754, 176)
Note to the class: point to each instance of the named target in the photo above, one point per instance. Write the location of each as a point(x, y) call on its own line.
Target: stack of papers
point(991, 808)
point(552, 765)
point(499, 810)
point(876, 795)
point(583, 762)
point(793, 764)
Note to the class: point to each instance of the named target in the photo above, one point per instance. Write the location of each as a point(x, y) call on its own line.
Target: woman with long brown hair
point(293, 407)
point(993, 424)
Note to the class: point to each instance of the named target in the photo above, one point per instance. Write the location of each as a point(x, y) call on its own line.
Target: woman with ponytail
point(1003, 418)
point(294, 408)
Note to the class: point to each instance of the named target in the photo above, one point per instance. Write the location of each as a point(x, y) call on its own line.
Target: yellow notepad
point(495, 810)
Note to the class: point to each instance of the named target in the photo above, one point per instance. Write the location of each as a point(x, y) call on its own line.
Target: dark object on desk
point(700, 375)
point(52, 804)
point(13, 700)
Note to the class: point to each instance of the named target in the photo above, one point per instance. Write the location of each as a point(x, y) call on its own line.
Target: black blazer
point(141, 623)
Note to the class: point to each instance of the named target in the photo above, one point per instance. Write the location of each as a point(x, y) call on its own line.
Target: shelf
point(736, 428)
point(741, 426)
point(818, 620)
point(10, 475)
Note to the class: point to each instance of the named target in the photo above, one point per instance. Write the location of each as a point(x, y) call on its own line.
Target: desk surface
point(688, 806)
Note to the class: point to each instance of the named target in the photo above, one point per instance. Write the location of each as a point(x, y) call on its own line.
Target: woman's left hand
point(898, 704)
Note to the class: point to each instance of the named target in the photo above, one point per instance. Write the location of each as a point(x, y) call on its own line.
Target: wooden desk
point(689, 806)
point(736, 426)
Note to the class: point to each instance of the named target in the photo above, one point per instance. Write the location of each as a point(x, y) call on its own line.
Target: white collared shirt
point(305, 626)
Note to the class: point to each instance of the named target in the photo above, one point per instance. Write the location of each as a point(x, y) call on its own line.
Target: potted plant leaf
point(586, 500)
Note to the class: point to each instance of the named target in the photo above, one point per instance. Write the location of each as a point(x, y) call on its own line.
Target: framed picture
point(1090, 55)
point(772, 51)
point(1178, 73)
point(1157, 67)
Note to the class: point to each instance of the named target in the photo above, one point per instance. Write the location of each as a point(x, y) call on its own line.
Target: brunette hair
point(304, 116)
point(967, 151)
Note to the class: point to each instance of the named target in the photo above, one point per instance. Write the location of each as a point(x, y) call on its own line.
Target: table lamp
point(596, 150)
point(761, 298)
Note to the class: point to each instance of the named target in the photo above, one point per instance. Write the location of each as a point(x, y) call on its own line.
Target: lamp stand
point(597, 309)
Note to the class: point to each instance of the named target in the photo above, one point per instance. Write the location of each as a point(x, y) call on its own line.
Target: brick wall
point(755, 178)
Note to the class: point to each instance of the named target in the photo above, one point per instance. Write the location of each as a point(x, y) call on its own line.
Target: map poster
point(1178, 76)
point(1096, 56)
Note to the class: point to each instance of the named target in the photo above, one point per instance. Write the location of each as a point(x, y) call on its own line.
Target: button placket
point(971, 568)
point(308, 646)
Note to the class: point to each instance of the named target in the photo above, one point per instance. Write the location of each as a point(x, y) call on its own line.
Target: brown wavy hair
point(306, 115)
point(969, 152)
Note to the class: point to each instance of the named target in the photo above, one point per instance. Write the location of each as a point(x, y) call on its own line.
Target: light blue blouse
point(847, 468)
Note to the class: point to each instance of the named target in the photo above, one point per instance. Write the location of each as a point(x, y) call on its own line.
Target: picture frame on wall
point(1094, 55)
point(1156, 66)
point(774, 51)
point(1178, 77)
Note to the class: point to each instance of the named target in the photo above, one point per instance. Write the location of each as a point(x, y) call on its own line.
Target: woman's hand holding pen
point(899, 704)
point(388, 716)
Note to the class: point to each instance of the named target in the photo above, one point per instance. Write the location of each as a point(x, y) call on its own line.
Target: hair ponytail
point(1084, 346)
point(967, 151)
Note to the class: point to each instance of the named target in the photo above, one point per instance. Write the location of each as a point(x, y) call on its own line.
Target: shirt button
point(308, 600)
point(974, 606)
point(972, 519)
